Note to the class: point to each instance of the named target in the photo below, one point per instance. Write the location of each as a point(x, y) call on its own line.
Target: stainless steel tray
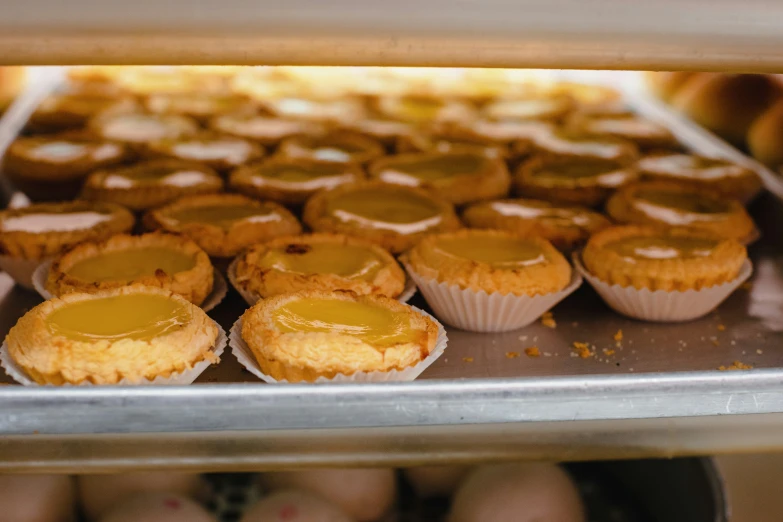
point(658, 393)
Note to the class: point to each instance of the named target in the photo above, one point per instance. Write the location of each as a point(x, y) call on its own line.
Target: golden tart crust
point(729, 179)
point(422, 109)
point(359, 334)
point(46, 341)
point(265, 130)
point(560, 142)
point(151, 183)
point(671, 259)
point(217, 151)
point(338, 146)
point(54, 167)
point(326, 262)
point(645, 133)
point(73, 110)
point(492, 261)
point(161, 260)
point(200, 106)
point(46, 229)
point(459, 177)
point(138, 129)
point(553, 107)
point(292, 181)
point(392, 216)
point(667, 204)
point(433, 141)
point(567, 227)
point(223, 224)
point(571, 180)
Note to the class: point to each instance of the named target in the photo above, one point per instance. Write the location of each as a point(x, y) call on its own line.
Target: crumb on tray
point(721, 327)
point(736, 365)
point(467, 359)
point(582, 350)
point(618, 336)
point(533, 351)
point(512, 355)
point(548, 320)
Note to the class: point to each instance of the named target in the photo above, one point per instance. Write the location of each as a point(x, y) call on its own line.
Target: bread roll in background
point(12, 81)
point(37, 498)
point(727, 104)
point(294, 506)
point(666, 84)
point(99, 493)
point(364, 494)
point(435, 481)
point(158, 507)
point(765, 138)
point(534, 492)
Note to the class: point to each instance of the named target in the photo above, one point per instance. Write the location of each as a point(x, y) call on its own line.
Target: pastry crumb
point(618, 336)
point(533, 351)
point(759, 351)
point(582, 350)
point(608, 351)
point(721, 327)
point(548, 320)
point(467, 359)
point(736, 365)
point(715, 342)
point(512, 355)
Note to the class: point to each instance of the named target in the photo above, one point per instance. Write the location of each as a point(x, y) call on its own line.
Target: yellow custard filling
point(126, 265)
point(575, 170)
point(58, 151)
point(670, 247)
point(349, 261)
point(299, 173)
point(562, 217)
point(223, 216)
point(369, 322)
point(404, 212)
point(144, 175)
point(202, 150)
point(39, 222)
point(501, 252)
point(655, 202)
point(688, 166)
point(138, 316)
point(417, 109)
point(439, 168)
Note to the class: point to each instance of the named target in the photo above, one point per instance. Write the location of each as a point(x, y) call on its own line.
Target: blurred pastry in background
point(336, 146)
point(72, 110)
point(158, 507)
point(13, 80)
point(138, 129)
point(37, 498)
point(422, 109)
point(727, 104)
point(530, 492)
point(553, 107)
point(100, 493)
point(646, 134)
point(765, 137)
point(365, 494)
point(294, 506)
point(218, 151)
point(315, 109)
point(435, 481)
point(666, 84)
point(266, 130)
point(198, 105)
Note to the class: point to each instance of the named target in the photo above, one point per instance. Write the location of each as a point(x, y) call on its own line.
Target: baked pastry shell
point(301, 146)
point(248, 277)
point(330, 357)
point(218, 241)
point(194, 284)
point(31, 355)
point(165, 149)
point(318, 220)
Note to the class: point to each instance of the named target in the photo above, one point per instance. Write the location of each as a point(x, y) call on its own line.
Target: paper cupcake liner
point(218, 293)
point(660, 305)
point(245, 356)
point(20, 270)
point(482, 312)
point(184, 377)
point(252, 298)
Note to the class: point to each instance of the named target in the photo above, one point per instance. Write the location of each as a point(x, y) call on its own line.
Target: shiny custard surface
point(126, 265)
point(500, 252)
point(390, 209)
point(439, 168)
point(224, 216)
point(349, 261)
point(663, 247)
point(65, 221)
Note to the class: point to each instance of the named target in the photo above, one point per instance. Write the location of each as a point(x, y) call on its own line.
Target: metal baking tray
point(658, 392)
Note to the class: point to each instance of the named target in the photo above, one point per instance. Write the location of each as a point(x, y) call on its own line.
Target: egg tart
point(151, 183)
point(393, 216)
point(326, 262)
point(572, 180)
point(339, 147)
point(445, 143)
point(492, 261)
point(138, 129)
point(585, 94)
point(72, 110)
point(459, 177)
point(673, 259)
point(422, 109)
point(223, 224)
point(315, 109)
point(645, 133)
point(562, 143)
point(547, 108)
point(131, 333)
point(145, 80)
point(567, 227)
point(265, 130)
point(166, 261)
point(306, 335)
point(201, 106)
point(669, 204)
point(725, 177)
point(42, 230)
point(292, 181)
point(54, 167)
point(385, 131)
point(218, 151)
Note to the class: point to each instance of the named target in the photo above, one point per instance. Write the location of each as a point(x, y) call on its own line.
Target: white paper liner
point(184, 377)
point(252, 298)
point(245, 356)
point(482, 312)
point(20, 270)
point(219, 286)
point(660, 305)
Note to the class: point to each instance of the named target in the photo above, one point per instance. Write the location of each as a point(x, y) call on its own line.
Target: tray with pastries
point(479, 230)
